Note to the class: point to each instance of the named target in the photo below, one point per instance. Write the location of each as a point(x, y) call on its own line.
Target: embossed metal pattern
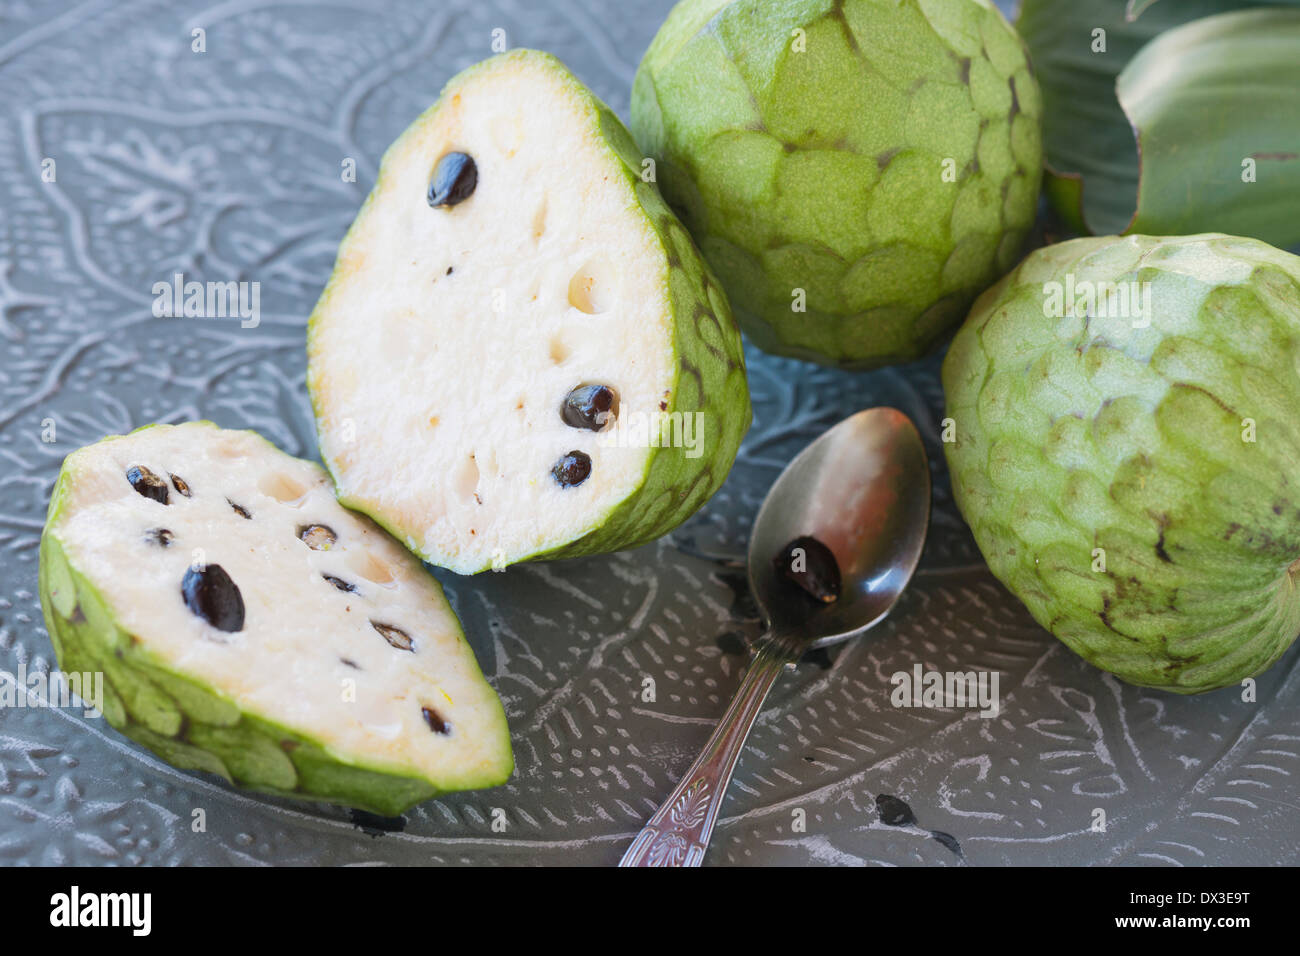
point(226, 166)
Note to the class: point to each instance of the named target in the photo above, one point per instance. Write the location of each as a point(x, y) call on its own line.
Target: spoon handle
point(678, 834)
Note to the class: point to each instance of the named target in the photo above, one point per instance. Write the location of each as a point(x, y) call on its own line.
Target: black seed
point(340, 583)
point(435, 721)
point(318, 537)
point(210, 594)
point(353, 664)
point(147, 483)
point(454, 179)
point(815, 571)
point(894, 812)
point(181, 485)
point(590, 406)
point(394, 636)
point(159, 536)
point(239, 509)
point(572, 469)
point(948, 840)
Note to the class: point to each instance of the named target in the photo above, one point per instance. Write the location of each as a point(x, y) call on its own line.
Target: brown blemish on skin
point(1105, 612)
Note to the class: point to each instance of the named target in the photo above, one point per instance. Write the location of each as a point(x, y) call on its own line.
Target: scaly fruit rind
point(883, 158)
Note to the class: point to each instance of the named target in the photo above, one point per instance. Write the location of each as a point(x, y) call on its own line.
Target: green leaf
point(1207, 99)
point(1078, 51)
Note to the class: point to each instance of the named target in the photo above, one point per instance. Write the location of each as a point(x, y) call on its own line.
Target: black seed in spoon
point(239, 509)
point(573, 469)
point(181, 485)
point(590, 407)
point(211, 595)
point(318, 537)
point(147, 483)
point(394, 636)
point(808, 563)
point(159, 536)
point(435, 721)
point(454, 179)
point(340, 583)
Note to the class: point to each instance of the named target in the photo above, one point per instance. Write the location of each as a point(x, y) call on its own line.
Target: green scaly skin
point(707, 345)
point(884, 157)
point(192, 727)
point(1075, 434)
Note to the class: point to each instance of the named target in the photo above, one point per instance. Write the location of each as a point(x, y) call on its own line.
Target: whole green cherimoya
point(1126, 450)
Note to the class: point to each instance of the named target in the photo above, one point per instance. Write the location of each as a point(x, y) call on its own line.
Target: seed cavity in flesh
point(592, 407)
point(340, 583)
point(573, 469)
point(147, 483)
point(454, 179)
point(239, 510)
point(159, 536)
point(394, 636)
point(435, 721)
point(813, 568)
point(318, 537)
point(181, 485)
point(211, 595)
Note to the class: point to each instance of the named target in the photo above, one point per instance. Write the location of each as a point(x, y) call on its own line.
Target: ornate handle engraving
point(678, 834)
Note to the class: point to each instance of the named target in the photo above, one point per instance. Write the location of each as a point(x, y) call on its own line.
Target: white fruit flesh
point(289, 662)
point(449, 337)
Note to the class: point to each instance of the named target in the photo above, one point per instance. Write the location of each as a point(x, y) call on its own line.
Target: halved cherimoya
point(248, 625)
point(520, 353)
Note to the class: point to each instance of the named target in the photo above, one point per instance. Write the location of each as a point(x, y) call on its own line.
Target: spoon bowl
point(863, 490)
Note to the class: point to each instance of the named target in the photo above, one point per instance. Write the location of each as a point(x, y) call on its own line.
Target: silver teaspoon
point(859, 493)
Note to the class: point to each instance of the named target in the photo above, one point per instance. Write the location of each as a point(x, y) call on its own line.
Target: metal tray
point(226, 164)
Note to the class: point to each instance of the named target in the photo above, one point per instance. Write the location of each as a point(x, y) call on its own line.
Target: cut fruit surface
point(520, 352)
point(251, 626)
